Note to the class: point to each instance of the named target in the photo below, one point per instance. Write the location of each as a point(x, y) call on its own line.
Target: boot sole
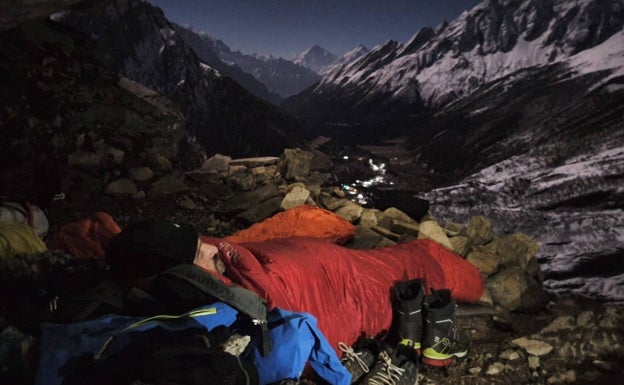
point(433, 358)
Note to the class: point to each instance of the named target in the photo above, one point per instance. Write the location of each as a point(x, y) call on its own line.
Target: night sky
point(287, 27)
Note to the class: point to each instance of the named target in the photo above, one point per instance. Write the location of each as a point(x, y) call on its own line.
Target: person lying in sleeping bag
point(349, 292)
point(188, 274)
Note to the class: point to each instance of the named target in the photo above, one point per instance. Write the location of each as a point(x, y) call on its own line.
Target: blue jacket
point(295, 340)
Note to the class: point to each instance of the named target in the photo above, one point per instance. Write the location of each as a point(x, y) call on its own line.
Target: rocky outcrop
point(17, 12)
point(133, 38)
point(208, 51)
point(70, 125)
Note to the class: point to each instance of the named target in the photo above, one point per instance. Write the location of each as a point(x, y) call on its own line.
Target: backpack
point(164, 349)
point(163, 356)
point(25, 212)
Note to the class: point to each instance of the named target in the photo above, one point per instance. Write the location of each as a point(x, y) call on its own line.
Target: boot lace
point(390, 376)
point(353, 356)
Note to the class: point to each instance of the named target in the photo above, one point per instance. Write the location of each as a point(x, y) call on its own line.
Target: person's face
point(208, 257)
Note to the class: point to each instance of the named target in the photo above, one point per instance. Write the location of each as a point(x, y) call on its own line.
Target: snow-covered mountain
point(495, 39)
point(322, 61)
point(267, 77)
point(205, 47)
point(347, 58)
point(316, 58)
point(134, 39)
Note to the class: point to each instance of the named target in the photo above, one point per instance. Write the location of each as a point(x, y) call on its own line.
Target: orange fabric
point(86, 238)
point(305, 221)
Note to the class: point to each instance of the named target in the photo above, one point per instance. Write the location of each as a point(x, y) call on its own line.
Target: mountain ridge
point(494, 39)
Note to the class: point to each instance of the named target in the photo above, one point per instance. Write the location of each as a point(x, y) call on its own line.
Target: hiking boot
point(360, 358)
point(394, 367)
point(442, 340)
point(409, 296)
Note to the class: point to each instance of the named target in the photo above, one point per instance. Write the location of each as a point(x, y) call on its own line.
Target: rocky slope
point(206, 50)
point(493, 40)
point(70, 125)
point(134, 39)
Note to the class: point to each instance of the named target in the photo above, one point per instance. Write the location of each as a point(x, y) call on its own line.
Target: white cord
point(353, 356)
point(390, 376)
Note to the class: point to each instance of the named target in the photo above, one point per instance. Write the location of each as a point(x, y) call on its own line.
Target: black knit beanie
point(146, 245)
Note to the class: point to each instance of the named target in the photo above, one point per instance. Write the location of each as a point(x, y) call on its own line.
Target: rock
point(509, 355)
point(454, 228)
point(249, 199)
point(243, 181)
point(160, 164)
point(533, 362)
point(385, 218)
point(121, 187)
point(585, 319)
point(321, 162)
point(260, 211)
point(401, 227)
point(217, 163)
point(495, 369)
point(187, 203)
point(559, 324)
point(350, 211)
point(315, 190)
point(297, 196)
point(365, 238)
point(385, 242)
point(560, 378)
point(114, 157)
point(517, 250)
point(486, 298)
point(507, 287)
point(533, 347)
point(386, 233)
point(235, 169)
point(265, 174)
point(460, 244)
point(486, 261)
point(141, 174)
point(85, 159)
point(534, 297)
point(262, 161)
point(139, 195)
point(474, 370)
point(431, 230)
point(332, 203)
point(295, 163)
point(480, 230)
point(215, 191)
point(167, 185)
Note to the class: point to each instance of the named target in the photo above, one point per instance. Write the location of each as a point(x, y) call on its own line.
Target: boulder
point(167, 185)
point(217, 163)
point(121, 187)
point(141, 174)
point(296, 196)
point(507, 287)
point(295, 162)
point(480, 230)
point(431, 230)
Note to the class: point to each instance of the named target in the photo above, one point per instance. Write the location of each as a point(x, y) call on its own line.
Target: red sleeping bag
point(347, 290)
